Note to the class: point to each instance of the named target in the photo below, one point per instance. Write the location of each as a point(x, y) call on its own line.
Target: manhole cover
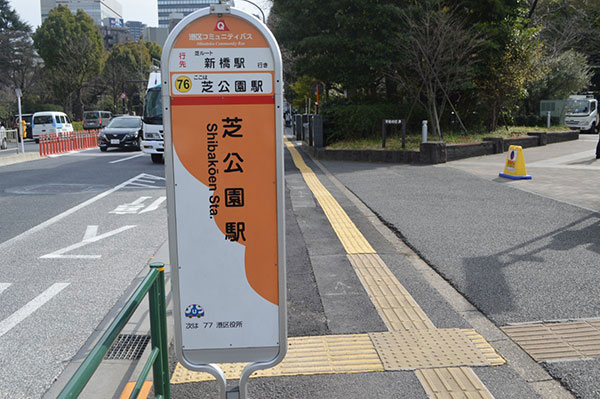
point(57, 188)
point(128, 347)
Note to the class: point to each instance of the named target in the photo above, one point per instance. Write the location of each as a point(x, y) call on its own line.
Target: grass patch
point(394, 141)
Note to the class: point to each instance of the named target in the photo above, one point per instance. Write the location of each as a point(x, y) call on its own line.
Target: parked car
point(27, 119)
point(121, 132)
point(49, 122)
point(96, 119)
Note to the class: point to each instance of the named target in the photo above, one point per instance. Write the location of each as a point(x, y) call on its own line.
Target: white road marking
point(87, 239)
point(11, 321)
point(154, 206)
point(128, 158)
point(4, 286)
point(130, 208)
point(152, 177)
point(97, 154)
point(70, 211)
point(138, 185)
point(90, 232)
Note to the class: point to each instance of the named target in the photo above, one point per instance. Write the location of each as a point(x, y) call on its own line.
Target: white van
point(50, 122)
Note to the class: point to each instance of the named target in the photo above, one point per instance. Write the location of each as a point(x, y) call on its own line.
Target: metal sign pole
point(222, 98)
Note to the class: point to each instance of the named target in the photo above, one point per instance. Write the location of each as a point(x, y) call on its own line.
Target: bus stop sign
point(222, 107)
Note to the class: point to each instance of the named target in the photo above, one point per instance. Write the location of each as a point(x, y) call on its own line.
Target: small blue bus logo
point(194, 311)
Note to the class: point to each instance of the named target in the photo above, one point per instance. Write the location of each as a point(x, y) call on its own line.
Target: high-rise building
point(167, 7)
point(156, 35)
point(135, 28)
point(99, 10)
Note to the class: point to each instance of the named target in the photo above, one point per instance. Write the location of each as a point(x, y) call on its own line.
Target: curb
point(436, 152)
point(19, 158)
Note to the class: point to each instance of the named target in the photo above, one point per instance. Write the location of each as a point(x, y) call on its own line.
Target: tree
point(127, 65)
point(510, 74)
point(73, 53)
point(565, 74)
point(437, 55)
point(17, 56)
point(570, 25)
point(338, 41)
point(154, 49)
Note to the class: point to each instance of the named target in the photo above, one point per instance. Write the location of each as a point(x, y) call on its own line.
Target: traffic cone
point(515, 164)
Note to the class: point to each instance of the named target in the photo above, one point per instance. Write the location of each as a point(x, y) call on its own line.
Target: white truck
point(581, 113)
point(153, 142)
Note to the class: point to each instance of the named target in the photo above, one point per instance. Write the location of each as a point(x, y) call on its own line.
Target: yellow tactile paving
point(484, 347)
point(417, 349)
point(552, 341)
point(452, 383)
point(363, 353)
point(331, 354)
point(395, 305)
point(349, 235)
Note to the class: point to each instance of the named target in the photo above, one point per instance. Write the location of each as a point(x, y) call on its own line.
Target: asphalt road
point(76, 230)
point(518, 256)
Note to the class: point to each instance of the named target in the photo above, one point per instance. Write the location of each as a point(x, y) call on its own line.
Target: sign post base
point(233, 393)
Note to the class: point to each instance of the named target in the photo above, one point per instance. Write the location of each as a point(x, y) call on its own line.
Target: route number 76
point(183, 84)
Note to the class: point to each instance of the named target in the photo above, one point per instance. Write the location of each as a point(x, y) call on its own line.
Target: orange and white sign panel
point(224, 147)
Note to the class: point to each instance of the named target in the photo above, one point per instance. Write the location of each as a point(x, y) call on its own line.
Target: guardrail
point(11, 135)
point(57, 143)
point(154, 286)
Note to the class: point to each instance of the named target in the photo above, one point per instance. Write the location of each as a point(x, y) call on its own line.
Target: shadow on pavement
point(484, 275)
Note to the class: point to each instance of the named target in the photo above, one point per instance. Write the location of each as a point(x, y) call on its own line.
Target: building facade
point(135, 28)
point(99, 10)
point(156, 35)
point(185, 7)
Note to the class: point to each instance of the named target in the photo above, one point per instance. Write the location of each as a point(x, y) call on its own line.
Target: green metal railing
point(154, 286)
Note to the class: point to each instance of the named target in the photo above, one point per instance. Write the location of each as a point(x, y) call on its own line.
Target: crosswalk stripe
point(11, 321)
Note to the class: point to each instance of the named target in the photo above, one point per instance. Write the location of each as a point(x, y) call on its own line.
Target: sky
point(133, 10)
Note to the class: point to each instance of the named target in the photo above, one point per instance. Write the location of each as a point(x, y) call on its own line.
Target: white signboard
point(222, 96)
